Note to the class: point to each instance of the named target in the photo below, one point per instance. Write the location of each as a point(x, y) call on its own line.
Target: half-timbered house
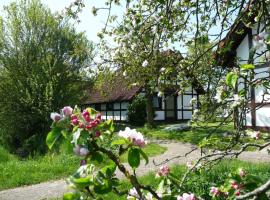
point(241, 48)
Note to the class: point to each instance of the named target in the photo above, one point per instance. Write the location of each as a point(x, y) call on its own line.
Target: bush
point(137, 111)
point(42, 60)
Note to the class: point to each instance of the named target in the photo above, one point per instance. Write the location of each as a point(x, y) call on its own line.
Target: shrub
point(42, 60)
point(137, 111)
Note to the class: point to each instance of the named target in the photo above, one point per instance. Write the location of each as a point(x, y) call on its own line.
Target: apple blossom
point(163, 171)
point(192, 101)
point(148, 196)
point(67, 111)
point(255, 135)
point(80, 151)
point(135, 137)
point(234, 185)
point(160, 94)
point(86, 116)
point(145, 63)
point(186, 196)
point(162, 69)
point(237, 192)
point(242, 172)
point(133, 194)
point(75, 121)
point(55, 116)
point(98, 133)
point(214, 191)
point(84, 151)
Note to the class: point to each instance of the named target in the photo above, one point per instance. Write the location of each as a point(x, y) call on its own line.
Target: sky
point(89, 23)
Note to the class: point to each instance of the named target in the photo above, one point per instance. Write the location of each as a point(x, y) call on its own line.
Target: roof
point(226, 51)
point(118, 88)
point(118, 91)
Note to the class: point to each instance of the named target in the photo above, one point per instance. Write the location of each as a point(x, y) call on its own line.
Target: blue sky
point(89, 23)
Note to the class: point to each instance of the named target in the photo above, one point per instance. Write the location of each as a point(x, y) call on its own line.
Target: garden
point(171, 103)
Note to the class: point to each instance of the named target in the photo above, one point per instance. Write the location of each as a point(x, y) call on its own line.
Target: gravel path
point(54, 189)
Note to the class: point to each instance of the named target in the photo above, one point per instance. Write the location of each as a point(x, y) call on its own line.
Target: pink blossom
point(256, 135)
point(75, 121)
point(234, 185)
point(98, 133)
point(135, 137)
point(237, 192)
point(81, 125)
point(55, 117)
point(86, 116)
point(67, 110)
point(98, 116)
point(186, 196)
point(163, 171)
point(242, 172)
point(214, 191)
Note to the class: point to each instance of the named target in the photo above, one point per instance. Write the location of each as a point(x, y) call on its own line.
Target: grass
point(200, 184)
point(194, 135)
point(16, 172)
point(197, 133)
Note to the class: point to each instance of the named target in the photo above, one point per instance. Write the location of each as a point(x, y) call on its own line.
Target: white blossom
point(145, 63)
point(160, 94)
point(135, 137)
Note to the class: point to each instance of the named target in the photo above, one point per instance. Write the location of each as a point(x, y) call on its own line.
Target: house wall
point(179, 109)
point(259, 116)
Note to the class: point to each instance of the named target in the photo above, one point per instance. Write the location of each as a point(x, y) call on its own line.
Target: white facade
point(173, 108)
point(259, 117)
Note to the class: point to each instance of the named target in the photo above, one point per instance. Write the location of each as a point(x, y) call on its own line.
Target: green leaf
point(134, 157)
point(71, 196)
point(247, 66)
point(82, 182)
point(144, 155)
point(231, 79)
point(109, 169)
point(103, 186)
point(109, 125)
point(119, 142)
point(52, 136)
point(96, 156)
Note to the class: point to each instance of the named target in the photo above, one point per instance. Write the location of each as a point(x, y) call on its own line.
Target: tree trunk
point(149, 110)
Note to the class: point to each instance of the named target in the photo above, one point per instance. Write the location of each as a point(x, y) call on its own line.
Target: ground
point(55, 189)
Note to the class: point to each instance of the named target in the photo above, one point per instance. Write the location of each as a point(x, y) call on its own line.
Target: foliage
point(42, 68)
point(137, 111)
point(201, 183)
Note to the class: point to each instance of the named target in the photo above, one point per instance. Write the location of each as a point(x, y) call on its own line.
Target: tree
point(42, 67)
point(183, 22)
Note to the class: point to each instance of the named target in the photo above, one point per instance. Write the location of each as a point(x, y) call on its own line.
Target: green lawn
point(201, 184)
point(16, 172)
point(196, 134)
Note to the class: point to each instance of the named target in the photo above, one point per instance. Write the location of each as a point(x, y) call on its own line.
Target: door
point(170, 112)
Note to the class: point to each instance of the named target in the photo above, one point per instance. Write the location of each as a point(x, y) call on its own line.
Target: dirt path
point(54, 189)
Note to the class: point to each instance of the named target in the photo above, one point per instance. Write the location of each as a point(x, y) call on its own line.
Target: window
point(157, 102)
point(109, 106)
point(98, 107)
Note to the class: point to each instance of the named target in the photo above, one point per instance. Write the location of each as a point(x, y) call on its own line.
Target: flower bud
point(67, 110)
point(83, 151)
point(75, 122)
point(55, 117)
